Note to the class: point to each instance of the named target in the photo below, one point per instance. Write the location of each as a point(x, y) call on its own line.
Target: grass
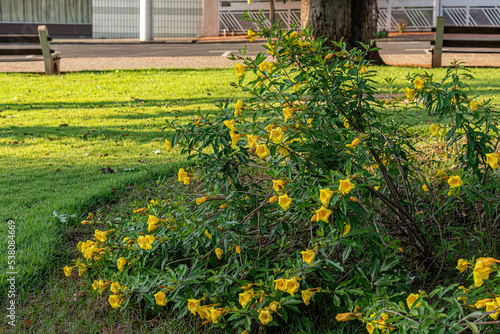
point(57, 133)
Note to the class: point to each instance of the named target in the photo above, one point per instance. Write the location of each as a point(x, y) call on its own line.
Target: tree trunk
point(272, 12)
point(352, 20)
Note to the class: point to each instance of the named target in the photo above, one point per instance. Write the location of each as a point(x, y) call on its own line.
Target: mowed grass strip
point(73, 142)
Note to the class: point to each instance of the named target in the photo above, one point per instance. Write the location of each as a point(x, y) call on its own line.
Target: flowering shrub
point(302, 197)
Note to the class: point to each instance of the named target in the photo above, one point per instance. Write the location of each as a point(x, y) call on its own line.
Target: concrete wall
point(172, 18)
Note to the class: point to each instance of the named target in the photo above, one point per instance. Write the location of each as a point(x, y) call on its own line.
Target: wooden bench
point(441, 40)
point(15, 43)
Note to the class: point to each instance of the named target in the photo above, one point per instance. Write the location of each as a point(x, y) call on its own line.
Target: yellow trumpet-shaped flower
point(307, 295)
point(160, 298)
point(493, 305)
point(288, 113)
point(193, 304)
point(208, 234)
point(273, 199)
point(262, 151)
point(115, 301)
point(238, 108)
point(230, 125)
point(276, 135)
point(265, 317)
point(354, 143)
point(152, 221)
point(346, 186)
point(473, 105)
point(121, 263)
point(68, 270)
point(463, 265)
point(411, 300)
point(168, 145)
point(234, 138)
point(325, 195)
point(240, 70)
point(284, 201)
point(308, 256)
point(482, 269)
point(251, 35)
point(246, 297)
point(455, 181)
point(219, 252)
point(410, 93)
point(435, 130)
point(419, 84)
point(280, 284)
point(201, 200)
point(146, 241)
point(347, 229)
point(323, 214)
point(252, 140)
point(292, 286)
point(492, 159)
point(278, 185)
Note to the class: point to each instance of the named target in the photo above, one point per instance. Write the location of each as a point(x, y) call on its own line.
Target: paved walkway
point(114, 63)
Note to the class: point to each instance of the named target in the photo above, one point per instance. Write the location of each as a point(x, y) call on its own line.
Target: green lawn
point(57, 133)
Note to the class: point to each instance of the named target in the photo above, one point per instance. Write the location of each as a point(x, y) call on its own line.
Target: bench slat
point(19, 39)
point(470, 30)
point(451, 43)
point(22, 52)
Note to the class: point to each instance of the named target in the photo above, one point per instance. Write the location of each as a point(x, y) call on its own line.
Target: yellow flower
point(238, 108)
point(354, 143)
point(328, 56)
point(252, 140)
point(219, 253)
point(246, 297)
point(276, 135)
point(284, 201)
point(215, 313)
point(492, 159)
point(343, 317)
point(115, 301)
point(425, 188)
point(169, 145)
point(346, 186)
point(347, 229)
point(323, 214)
point(410, 93)
point(88, 221)
point(265, 317)
point(224, 206)
point(411, 300)
point(99, 285)
point(346, 123)
point(262, 151)
point(363, 70)
point(251, 35)
point(183, 176)
point(376, 188)
point(463, 265)
point(271, 48)
point(451, 192)
point(288, 113)
point(435, 130)
point(203, 311)
point(370, 327)
point(453, 100)
point(101, 236)
point(455, 181)
point(419, 84)
point(81, 269)
point(280, 284)
point(115, 287)
point(145, 241)
point(68, 270)
point(307, 295)
point(208, 234)
point(490, 307)
point(201, 200)
point(237, 248)
point(325, 195)
point(292, 286)
point(482, 269)
point(308, 256)
point(246, 330)
point(230, 125)
point(482, 303)
point(273, 199)
point(152, 221)
point(234, 138)
point(120, 263)
point(240, 70)
point(193, 305)
point(274, 306)
point(278, 185)
point(474, 105)
point(440, 174)
point(160, 298)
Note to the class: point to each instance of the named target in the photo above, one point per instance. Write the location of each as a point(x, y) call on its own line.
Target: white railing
point(231, 14)
point(419, 14)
